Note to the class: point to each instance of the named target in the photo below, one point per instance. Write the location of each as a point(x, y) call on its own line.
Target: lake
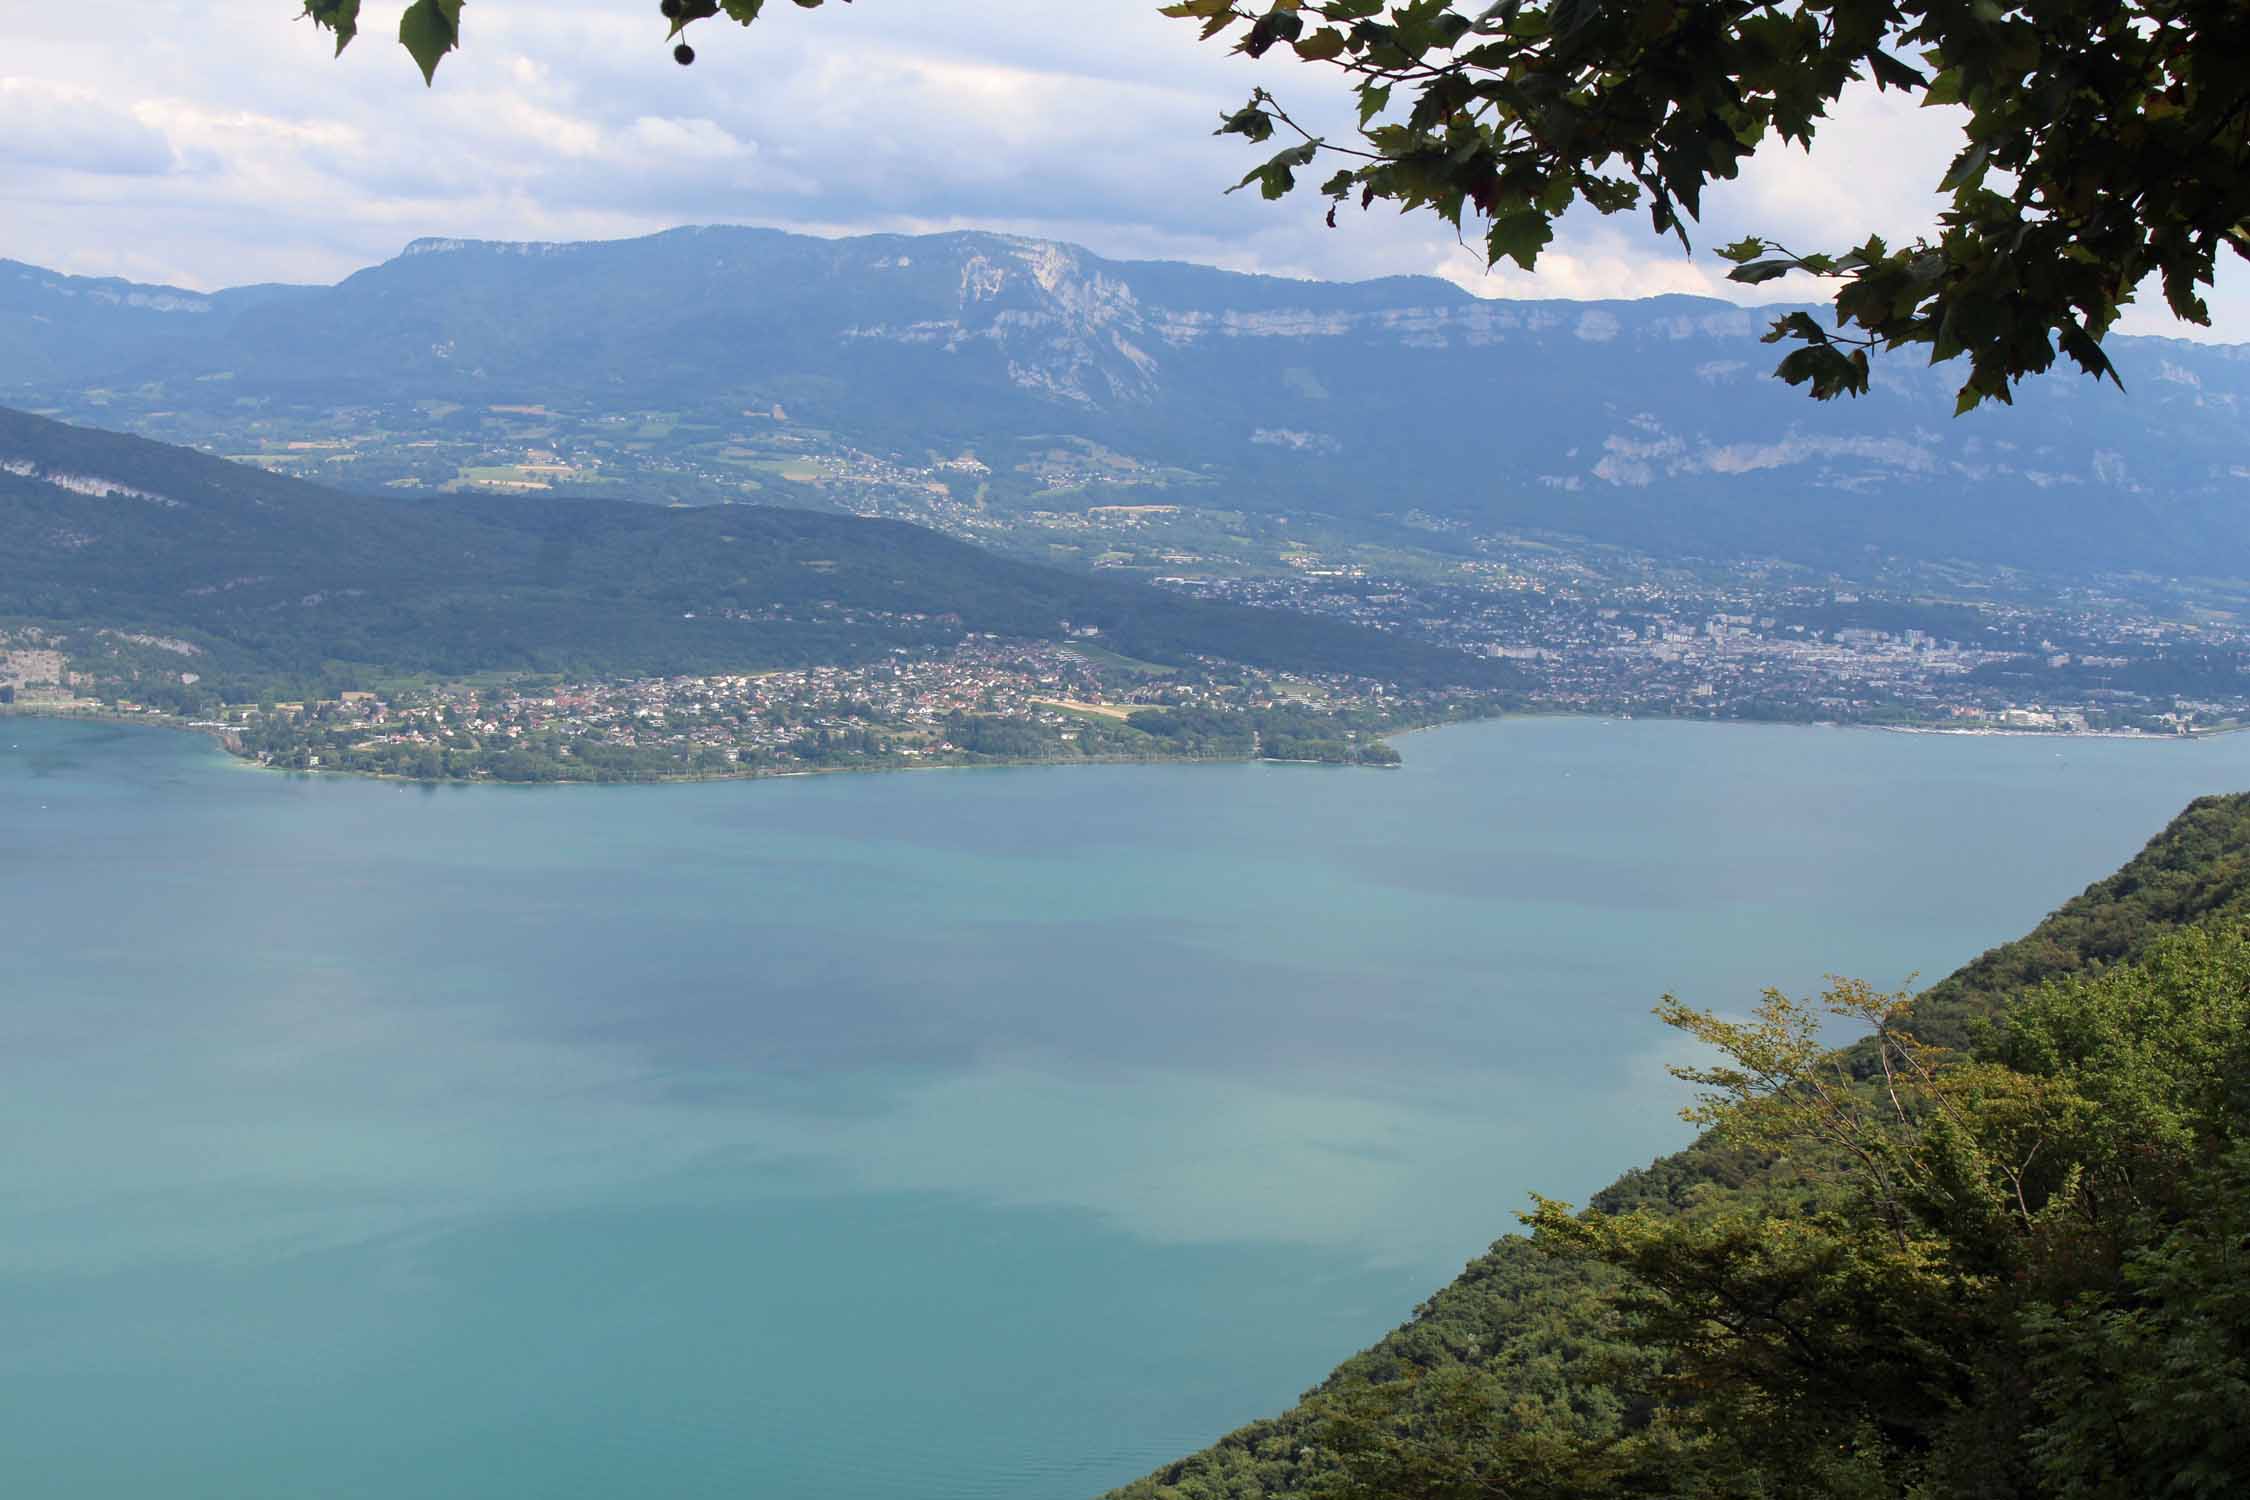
point(993, 1134)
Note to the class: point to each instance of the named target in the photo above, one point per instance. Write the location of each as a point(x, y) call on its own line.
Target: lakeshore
point(229, 738)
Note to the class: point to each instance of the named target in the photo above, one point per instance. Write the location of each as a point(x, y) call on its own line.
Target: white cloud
point(60, 125)
point(1745, 458)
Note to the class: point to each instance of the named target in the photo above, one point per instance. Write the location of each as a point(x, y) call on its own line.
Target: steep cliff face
point(1651, 423)
point(1064, 330)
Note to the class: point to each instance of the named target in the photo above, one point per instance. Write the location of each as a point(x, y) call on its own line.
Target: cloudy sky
point(214, 142)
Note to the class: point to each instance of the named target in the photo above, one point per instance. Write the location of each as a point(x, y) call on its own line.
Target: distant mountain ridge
point(1648, 423)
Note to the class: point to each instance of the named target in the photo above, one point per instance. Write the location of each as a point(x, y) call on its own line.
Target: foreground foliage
point(2010, 1267)
point(2018, 1275)
point(2104, 142)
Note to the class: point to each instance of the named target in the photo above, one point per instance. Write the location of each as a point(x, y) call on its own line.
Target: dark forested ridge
point(270, 575)
point(2196, 870)
point(1540, 1373)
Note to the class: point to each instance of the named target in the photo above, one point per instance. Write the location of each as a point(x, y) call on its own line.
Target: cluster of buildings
point(1680, 646)
point(909, 707)
point(1591, 629)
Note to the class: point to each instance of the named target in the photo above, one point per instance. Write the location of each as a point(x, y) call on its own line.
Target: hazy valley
point(1587, 507)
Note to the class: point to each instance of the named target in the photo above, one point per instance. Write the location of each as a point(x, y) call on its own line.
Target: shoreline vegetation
point(230, 740)
point(978, 701)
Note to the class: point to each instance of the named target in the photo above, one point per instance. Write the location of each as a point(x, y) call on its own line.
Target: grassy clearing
point(507, 476)
point(1116, 713)
point(795, 470)
point(1101, 656)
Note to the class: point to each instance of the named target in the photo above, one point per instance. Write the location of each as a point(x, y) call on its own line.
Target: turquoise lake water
point(955, 1134)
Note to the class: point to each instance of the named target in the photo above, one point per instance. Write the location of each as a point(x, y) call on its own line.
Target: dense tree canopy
point(2014, 1271)
point(2105, 142)
point(2018, 1274)
point(2031, 1215)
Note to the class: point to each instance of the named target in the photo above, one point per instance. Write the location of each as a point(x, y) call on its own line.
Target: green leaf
point(1251, 121)
point(1274, 26)
point(1216, 15)
point(1796, 325)
point(339, 16)
point(1279, 175)
point(1518, 236)
point(1945, 342)
point(2082, 347)
point(1967, 169)
point(429, 30)
point(1761, 270)
point(1890, 73)
point(1827, 370)
point(692, 10)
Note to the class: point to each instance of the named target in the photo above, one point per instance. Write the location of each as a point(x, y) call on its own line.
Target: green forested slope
point(2197, 869)
point(1534, 1346)
point(270, 575)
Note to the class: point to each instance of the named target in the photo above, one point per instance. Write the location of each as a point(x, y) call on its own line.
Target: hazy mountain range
point(1650, 423)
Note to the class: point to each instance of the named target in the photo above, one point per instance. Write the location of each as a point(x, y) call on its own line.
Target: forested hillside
point(1580, 1362)
point(267, 575)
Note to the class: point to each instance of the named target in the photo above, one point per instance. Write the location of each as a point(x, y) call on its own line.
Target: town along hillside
point(1536, 1373)
point(268, 576)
